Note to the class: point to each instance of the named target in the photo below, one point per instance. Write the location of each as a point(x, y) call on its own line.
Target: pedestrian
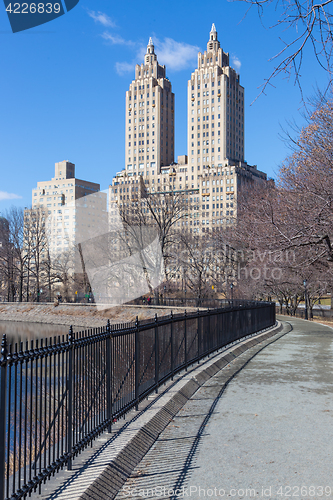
point(149, 300)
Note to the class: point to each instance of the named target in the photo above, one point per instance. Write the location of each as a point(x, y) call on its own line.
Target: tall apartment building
point(214, 171)
point(57, 197)
point(150, 103)
point(215, 109)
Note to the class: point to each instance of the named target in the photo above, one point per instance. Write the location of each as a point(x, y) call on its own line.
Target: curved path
point(267, 433)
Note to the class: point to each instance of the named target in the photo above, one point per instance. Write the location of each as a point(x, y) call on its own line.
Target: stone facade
point(56, 198)
point(149, 141)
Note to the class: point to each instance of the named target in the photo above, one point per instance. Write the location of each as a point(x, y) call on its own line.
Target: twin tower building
point(215, 114)
point(210, 175)
point(214, 169)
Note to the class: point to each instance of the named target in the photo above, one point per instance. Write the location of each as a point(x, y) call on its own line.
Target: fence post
point(70, 399)
point(136, 356)
point(218, 321)
point(198, 336)
point(171, 347)
point(3, 397)
point(208, 339)
point(157, 361)
point(185, 342)
point(108, 376)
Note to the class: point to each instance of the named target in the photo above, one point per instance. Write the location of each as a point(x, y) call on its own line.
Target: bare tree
point(6, 260)
point(15, 219)
point(59, 270)
point(306, 177)
point(291, 223)
point(303, 24)
point(83, 280)
point(195, 260)
point(164, 213)
point(36, 249)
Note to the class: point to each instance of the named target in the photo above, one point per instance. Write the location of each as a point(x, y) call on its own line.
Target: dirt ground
point(323, 321)
point(88, 315)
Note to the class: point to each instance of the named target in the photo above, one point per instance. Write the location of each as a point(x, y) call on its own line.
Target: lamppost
point(185, 295)
point(232, 291)
point(306, 299)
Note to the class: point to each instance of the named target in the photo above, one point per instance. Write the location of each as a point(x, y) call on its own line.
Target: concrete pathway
point(100, 471)
point(267, 433)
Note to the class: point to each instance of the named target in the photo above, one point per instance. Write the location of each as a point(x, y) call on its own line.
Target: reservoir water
point(19, 331)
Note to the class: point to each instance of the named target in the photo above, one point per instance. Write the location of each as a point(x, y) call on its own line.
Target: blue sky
point(63, 85)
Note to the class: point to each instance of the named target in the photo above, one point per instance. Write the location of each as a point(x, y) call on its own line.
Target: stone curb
point(109, 470)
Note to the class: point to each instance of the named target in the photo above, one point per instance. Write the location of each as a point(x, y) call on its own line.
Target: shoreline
point(80, 315)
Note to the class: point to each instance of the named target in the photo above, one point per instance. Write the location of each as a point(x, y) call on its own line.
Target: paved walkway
point(265, 434)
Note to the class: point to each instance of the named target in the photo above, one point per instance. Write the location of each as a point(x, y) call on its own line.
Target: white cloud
point(140, 55)
point(116, 39)
point(101, 18)
point(123, 67)
point(8, 196)
point(236, 63)
point(175, 55)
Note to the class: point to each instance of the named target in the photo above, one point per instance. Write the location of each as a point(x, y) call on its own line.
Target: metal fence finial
point(3, 349)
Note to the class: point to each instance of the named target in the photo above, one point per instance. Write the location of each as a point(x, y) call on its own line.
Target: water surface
point(19, 331)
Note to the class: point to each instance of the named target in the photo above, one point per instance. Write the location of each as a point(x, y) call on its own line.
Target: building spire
point(150, 54)
point(213, 39)
point(150, 47)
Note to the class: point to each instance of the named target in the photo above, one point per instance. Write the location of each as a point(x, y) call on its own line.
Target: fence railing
point(315, 312)
point(57, 395)
point(160, 300)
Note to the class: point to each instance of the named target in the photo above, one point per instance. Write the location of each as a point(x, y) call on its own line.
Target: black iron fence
point(57, 395)
point(315, 312)
point(161, 300)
